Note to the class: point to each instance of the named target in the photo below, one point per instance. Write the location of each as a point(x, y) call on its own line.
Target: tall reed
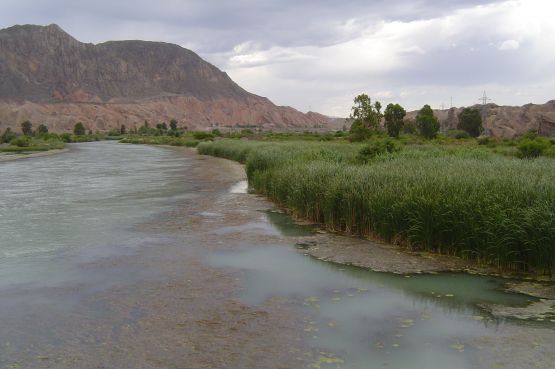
point(462, 201)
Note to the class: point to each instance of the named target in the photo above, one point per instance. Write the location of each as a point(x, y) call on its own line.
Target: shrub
point(66, 137)
point(27, 128)
point(21, 141)
point(458, 134)
point(359, 133)
point(203, 135)
point(376, 148)
point(42, 130)
point(79, 129)
point(530, 149)
point(7, 136)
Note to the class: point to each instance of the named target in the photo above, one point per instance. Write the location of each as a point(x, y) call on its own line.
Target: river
point(124, 256)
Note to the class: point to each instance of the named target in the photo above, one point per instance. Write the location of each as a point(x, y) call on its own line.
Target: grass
point(451, 198)
point(22, 145)
point(186, 140)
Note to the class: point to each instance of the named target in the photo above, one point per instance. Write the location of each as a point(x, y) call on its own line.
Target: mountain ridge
point(49, 76)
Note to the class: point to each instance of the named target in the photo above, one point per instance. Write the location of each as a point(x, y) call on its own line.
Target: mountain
point(47, 76)
point(505, 121)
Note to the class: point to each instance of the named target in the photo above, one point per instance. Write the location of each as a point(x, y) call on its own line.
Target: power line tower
point(484, 100)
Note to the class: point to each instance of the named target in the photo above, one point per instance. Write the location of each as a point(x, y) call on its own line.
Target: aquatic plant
point(464, 201)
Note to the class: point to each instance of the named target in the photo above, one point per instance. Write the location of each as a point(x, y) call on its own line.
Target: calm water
point(61, 214)
point(83, 204)
point(371, 319)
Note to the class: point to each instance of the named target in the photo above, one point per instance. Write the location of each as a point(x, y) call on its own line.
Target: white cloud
point(509, 45)
point(318, 54)
point(415, 61)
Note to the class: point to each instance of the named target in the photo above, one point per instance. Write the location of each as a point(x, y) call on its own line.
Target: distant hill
point(49, 77)
point(506, 121)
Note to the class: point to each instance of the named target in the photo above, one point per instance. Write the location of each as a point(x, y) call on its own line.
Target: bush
point(458, 134)
point(203, 136)
point(79, 129)
point(359, 133)
point(21, 141)
point(7, 136)
point(375, 149)
point(66, 137)
point(530, 149)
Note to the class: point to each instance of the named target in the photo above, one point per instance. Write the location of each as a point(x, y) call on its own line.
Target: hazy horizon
point(318, 55)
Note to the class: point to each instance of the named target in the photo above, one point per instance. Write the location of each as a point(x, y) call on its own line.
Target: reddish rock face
point(506, 121)
point(46, 76)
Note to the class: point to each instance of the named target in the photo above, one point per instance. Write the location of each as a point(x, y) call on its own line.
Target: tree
point(173, 125)
point(365, 117)
point(394, 115)
point(79, 129)
point(42, 130)
point(27, 128)
point(7, 136)
point(122, 129)
point(427, 122)
point(470, 121)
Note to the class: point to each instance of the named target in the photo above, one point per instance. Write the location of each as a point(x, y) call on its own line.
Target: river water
point(67, 221)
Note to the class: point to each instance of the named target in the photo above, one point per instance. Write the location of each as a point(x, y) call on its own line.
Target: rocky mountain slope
point(505, 121)
point(47, 76)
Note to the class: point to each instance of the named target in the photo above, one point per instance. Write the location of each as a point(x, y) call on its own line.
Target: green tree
point(427, 122)
point(123, 129)
point(42, 130)
point(394, 115)
point(27, 128)
point(79, 129)
point(7, 136)
point(173, 125)
point(365, 117)
point(470, 121)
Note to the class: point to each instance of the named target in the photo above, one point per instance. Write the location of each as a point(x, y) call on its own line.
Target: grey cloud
point(283, 29)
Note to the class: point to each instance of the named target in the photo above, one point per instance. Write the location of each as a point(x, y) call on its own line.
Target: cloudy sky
point(318, 55)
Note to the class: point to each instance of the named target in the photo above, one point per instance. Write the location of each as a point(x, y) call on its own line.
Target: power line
point(484, 100)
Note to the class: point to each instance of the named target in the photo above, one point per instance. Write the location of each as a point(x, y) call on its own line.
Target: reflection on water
point(64, 219)
point(372, 319)
point(286, 225)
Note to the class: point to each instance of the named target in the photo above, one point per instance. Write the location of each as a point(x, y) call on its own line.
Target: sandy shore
point(9, 156)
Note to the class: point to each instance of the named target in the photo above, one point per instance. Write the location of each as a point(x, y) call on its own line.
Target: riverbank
point(460, 201)
point(30, 154)
point(181, 268)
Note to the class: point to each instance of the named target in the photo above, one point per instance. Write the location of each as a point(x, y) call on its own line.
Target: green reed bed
point(27, 144)
point(161, 140)
point(462, 201)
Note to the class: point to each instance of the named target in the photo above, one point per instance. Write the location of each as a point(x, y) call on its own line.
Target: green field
point(455, 197)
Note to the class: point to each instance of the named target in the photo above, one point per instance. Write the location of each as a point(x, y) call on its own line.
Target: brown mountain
point(46, 76)
point(505, 121)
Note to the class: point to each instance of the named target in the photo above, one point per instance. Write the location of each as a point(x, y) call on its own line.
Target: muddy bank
point(9, 156)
